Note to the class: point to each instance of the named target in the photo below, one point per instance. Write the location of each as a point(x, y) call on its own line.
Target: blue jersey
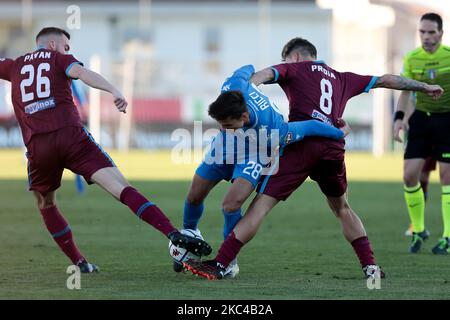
point(231, 157)
point(264, 114)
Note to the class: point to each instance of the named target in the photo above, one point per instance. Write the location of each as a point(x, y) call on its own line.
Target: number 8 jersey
point(41, 91)
point(316, 91)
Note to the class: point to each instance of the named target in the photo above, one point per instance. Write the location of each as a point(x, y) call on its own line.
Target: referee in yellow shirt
point(429, 129)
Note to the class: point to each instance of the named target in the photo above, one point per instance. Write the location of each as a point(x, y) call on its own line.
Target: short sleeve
point(406, 71)
point(280, 73)
point(5, 68)
point(66, 61)
point(356, 84)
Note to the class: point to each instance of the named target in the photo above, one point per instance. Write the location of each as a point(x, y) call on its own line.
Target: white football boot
point(232, 270)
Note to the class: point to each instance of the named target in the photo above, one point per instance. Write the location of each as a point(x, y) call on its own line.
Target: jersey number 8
point(327, 92)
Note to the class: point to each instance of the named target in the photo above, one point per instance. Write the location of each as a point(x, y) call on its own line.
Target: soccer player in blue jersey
point(241, 106)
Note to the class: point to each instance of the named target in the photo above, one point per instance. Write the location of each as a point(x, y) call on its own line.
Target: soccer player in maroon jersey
point(314, 91)
point(56, 139)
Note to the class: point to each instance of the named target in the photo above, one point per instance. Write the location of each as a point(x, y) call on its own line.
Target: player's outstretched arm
point(95, 80)
point(391, 81)
point(263, 76)
point(309, 128)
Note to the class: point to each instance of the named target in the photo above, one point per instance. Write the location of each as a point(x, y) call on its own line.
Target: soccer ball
point(179, 254)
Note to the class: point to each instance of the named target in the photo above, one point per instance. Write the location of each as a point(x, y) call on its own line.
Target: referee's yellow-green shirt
point(432, 68)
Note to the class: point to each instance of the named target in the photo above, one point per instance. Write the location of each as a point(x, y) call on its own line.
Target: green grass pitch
point(299, 252)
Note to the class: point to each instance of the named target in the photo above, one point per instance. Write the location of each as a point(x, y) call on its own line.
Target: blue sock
point(192, 214)
point(231, 220)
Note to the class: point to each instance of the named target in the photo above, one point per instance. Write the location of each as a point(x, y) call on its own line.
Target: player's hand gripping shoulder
point(343, 126)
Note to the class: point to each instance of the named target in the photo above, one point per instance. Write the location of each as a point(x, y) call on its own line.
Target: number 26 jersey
point(41, 91)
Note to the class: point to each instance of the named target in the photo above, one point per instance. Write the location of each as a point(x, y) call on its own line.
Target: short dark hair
point(304, 46)
point(229, 104)
point(433, 17)
point(52, 30)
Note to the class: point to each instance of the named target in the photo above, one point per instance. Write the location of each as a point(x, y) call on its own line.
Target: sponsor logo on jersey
point(320, 116)
point(40, 105)
point(288, 138)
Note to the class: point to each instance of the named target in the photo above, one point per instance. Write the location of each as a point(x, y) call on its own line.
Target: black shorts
point(429, 135)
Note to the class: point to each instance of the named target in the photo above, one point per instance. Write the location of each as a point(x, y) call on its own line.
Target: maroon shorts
point(70, 148)
point(320, 159)
point(430, 164)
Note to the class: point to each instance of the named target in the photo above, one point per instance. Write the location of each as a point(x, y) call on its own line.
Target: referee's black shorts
point(429, 135)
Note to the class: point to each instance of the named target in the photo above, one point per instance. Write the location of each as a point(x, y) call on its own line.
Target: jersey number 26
point(42, 83)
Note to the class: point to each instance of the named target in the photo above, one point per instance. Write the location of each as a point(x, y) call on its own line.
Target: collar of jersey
point(431, 55)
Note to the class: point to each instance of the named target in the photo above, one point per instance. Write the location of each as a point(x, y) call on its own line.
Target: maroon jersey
point(316, 91)
point(41, 92)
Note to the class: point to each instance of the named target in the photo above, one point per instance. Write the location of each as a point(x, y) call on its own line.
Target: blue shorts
point(230, 164)
point(250, 171)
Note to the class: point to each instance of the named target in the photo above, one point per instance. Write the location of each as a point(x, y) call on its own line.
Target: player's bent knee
point(411, 177)
point(47, 205)
point(45, 201)
point(341, 210)
point(410, 180)
point(194, 198)
point(199, 190)
point(232, 205)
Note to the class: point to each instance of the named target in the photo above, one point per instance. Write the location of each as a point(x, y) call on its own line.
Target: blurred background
point(170, 57)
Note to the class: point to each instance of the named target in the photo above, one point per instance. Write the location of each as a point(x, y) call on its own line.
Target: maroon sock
point(229, 250)
point(146, 210)
point(61, 233)
point(363, 251)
